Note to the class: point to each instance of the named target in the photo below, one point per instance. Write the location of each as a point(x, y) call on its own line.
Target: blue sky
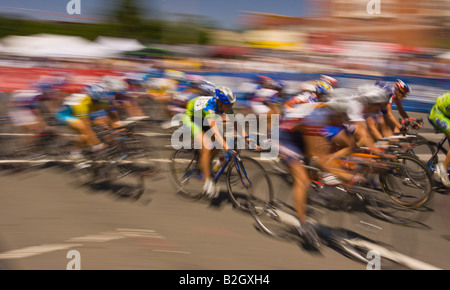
point(223, 12)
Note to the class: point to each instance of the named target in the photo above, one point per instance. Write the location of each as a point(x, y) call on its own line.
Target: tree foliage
point(127, 20)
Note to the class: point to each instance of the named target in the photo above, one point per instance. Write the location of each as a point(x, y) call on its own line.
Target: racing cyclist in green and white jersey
point(200, 116)
point(439, 117)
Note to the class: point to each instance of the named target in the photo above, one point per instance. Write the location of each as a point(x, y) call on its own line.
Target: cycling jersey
point(303, 97)
point(439, 115)
point(79, 106)
point(261, 98)
point(198, 109)
point(306, 119)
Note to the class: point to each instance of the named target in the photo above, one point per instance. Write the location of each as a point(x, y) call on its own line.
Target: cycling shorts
point(98, 114)
point(64, 116)
point(291, 146)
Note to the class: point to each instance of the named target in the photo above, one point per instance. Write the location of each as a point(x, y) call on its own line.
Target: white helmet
point(372, 94)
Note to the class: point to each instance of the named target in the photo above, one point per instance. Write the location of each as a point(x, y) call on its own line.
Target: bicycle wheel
point(186, 174)
point(142, 152)
point(408, 182)
point(424, 150)
point(124, 179)
point(247, 178)
point(377, 204)
point(274, 218)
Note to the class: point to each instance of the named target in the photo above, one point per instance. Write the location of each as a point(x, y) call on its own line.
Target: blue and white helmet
point(225, 95)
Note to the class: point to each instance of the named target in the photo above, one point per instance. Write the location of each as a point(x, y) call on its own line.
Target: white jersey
point(355, 111)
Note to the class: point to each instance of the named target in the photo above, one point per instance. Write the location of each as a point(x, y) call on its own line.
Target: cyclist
point(439, 117)
point(162, 86)
point(25, 112)
point(194, 86)
point(125, 91)
point(303, 133)
point(200, 116)
point(398, 92)
point(367, 101)
point(310, 92)
point(80, 110)
point(266, 100)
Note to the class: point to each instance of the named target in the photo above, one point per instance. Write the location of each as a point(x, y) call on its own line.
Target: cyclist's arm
point(318, 147)
point(390, 116)
point(372, 127)
point(364, 139)
point(219, 138)
point(400, 109)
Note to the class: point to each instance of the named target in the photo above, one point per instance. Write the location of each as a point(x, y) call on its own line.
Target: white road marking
point(170, 251)
point(139, 233)
point(36, 250)
point(392, 255)
point(120, 233)
point(100, 238)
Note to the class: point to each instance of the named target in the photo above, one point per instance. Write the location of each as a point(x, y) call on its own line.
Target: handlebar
point(415, 123)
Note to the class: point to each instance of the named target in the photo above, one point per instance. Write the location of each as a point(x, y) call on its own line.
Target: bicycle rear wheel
point(125, 181)
point(382, 207)
point(186, 174)
point(275, 218)
point(247, 178)
point(409, 184)
point(145, 158)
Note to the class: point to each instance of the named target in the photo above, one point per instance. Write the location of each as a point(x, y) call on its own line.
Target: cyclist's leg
point(319, 148)
point(290, 149)
point(363, 137)
point(343, 138)
point(131, 106)
point(442, 123)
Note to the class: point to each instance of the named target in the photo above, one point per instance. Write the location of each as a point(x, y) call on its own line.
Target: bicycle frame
point(239, 168)
point(430, 164)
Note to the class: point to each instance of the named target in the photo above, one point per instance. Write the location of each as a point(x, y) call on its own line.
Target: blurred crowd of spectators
point(406, 65)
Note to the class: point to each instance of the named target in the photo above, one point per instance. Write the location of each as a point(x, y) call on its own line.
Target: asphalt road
point(44, 219)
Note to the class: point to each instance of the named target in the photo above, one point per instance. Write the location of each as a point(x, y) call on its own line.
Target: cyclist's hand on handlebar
point(230, 153)
point(252, 144)
point(415, 123)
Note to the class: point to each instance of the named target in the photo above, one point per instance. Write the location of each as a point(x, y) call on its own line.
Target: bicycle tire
point(379, 205)
point(425, 154)
point(275, 219)
point(140, 149)
point(124, 179)
point(416, 178)
point(182, 169)
point(239, 179)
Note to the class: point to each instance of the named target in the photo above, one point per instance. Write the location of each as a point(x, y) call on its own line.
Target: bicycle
point(122, 167)
point(430, 152)
point(244, 176)
point(278, 217)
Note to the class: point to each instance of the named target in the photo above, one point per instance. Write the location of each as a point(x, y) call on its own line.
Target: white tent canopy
point(445, 55)
point(119, 44)
point(48, 45)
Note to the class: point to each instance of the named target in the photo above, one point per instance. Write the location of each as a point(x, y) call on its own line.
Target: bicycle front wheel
point(125, 180)
point(429, 152)
point(408, 183)
point(246, 178)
